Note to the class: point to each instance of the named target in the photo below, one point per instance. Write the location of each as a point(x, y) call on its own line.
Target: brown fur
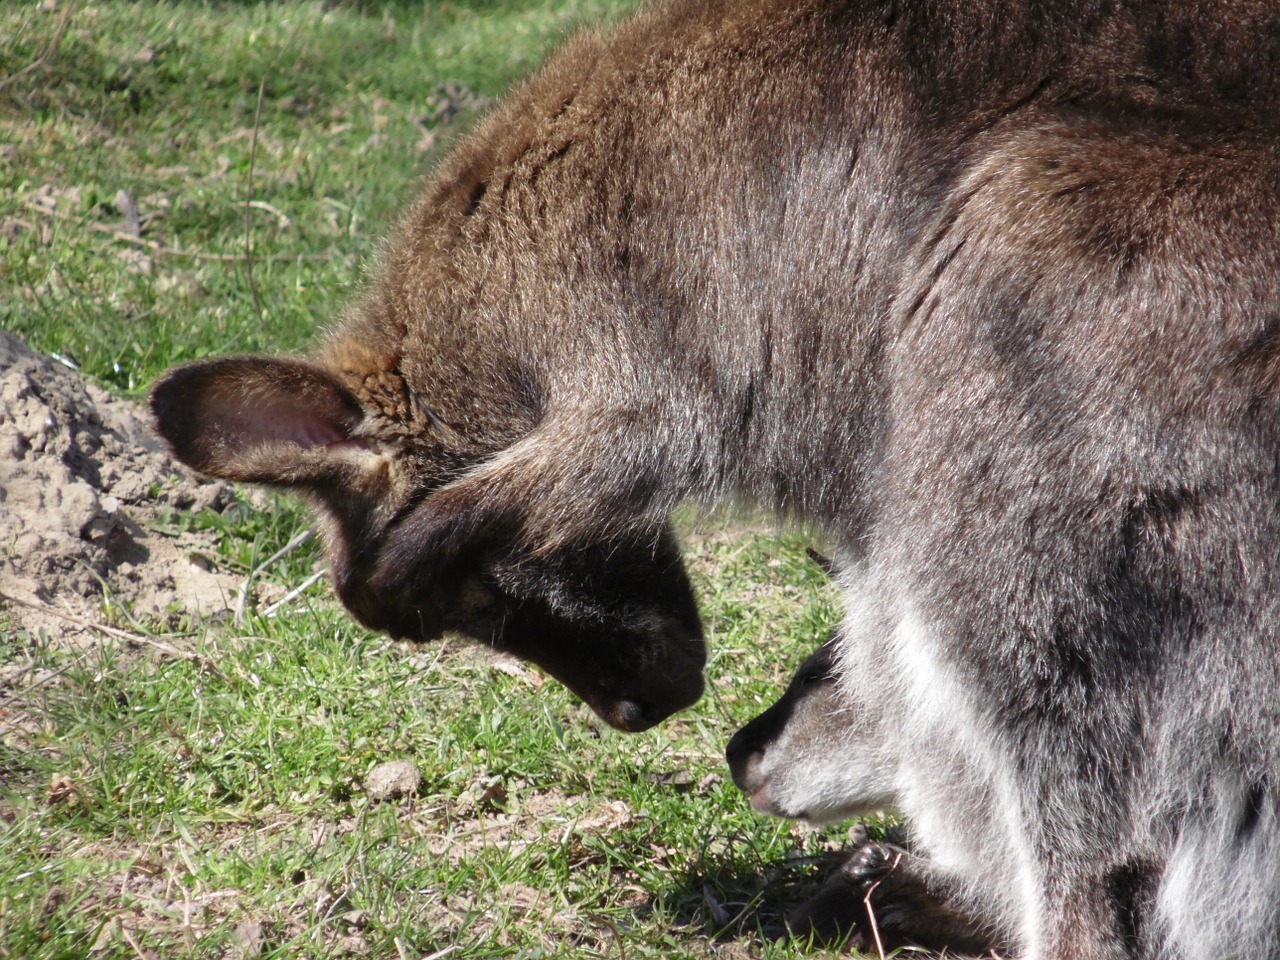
point(987, 288)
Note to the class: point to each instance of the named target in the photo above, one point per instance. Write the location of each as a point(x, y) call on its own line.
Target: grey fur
point(819, 753)
point(824, 752)
point(985, 287)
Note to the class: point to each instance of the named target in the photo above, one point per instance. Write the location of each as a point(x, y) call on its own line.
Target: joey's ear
point(255, 419)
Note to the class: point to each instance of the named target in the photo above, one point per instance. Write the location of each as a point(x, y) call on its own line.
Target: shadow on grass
point(21, 772)
point(730, 901)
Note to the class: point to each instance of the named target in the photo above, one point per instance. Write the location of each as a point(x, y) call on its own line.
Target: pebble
point(393, 780)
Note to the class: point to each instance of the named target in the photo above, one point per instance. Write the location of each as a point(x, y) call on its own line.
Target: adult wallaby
point(985, 287)
point(820, 754)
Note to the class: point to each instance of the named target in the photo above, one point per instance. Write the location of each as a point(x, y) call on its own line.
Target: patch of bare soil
point(83, 483)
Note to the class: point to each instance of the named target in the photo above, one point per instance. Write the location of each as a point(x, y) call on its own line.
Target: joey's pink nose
point(762, 802)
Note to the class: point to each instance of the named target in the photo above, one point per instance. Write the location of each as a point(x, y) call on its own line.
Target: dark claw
point(883, 898)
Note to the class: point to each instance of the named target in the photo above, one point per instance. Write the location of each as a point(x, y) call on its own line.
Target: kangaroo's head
point(812, 755)
point(420, 541)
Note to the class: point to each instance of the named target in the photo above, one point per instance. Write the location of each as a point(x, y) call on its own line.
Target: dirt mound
point(82, 485)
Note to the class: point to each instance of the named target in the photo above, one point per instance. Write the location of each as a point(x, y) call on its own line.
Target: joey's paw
point(834, 915)
point(838, 913)
point(901, 902)
point(874, 863)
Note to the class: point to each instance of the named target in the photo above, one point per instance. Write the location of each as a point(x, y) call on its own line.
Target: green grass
point(160, 100)
point(174, 798)
point(156, 795)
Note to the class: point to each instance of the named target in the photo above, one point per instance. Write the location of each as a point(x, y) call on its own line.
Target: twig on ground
point(49, 51)
point(137, 947)
point(871, 913)
point(718, 913)
point(242, 598)
point(294, 592)
point(282, 218)
point(138, 638)
point(342, 900)
point(40, 681)
point(744, 909)
point(617, 935)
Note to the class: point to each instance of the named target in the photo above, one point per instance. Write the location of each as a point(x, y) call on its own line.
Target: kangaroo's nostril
point(636, 715)
point(744, 768)
point(651, 714)
point(629, 713)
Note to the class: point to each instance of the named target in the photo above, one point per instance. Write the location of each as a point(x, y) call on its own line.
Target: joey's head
point(425, 534)
point(812, 755)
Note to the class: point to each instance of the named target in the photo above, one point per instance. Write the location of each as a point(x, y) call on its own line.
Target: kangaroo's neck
point(691, 242)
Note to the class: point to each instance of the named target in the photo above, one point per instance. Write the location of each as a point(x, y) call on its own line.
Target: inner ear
point(250, 418)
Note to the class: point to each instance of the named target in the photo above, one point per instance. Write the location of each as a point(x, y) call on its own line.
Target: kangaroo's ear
point(256, 419)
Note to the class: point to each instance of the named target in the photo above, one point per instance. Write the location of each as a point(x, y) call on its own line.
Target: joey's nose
point(742, 749)
point(744, 768)
point(745, 765)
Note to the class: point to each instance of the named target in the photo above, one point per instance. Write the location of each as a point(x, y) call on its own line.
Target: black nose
point(737, 743)
point(741, 746)
point(636, 715)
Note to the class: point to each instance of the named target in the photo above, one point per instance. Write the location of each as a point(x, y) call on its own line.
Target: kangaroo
point(984, 288)
point(816, 754)
point(813, 755)
point(819, 755)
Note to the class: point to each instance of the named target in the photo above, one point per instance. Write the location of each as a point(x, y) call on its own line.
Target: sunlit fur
point(985, 287)
point(816, 754)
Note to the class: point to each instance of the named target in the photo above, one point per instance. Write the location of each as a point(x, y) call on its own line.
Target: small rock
point(249, 939)
point(353, 944)
point(522, 899)
point(392, 781)
point(62, 789)
point(680, 781)
point(127, 207)
point(356, 919)
point(53, 900)
point(489, 793)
